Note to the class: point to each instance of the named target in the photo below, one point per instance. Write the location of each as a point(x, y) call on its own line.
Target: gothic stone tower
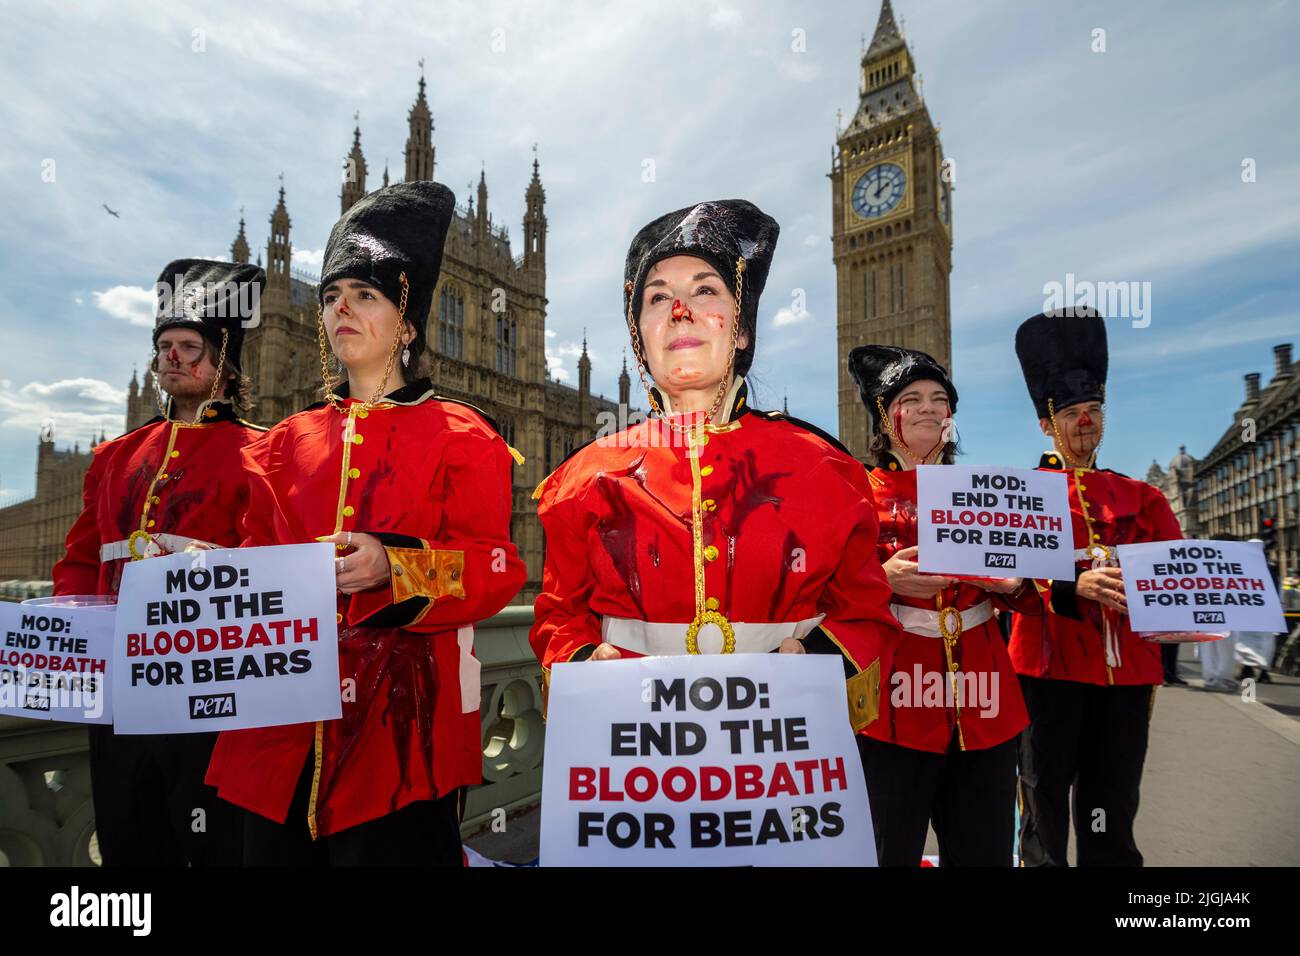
point(892, 222)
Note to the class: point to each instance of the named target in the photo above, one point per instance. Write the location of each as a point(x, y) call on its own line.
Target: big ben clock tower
point(892, 222)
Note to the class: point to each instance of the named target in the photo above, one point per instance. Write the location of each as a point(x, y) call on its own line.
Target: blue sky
point(1117, 166)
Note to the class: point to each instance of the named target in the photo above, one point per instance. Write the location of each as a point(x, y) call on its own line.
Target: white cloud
point(725, 18)
point(74, 391)
point(309, 259)
point(788, 316)
point(79, 409)
point(130, 303)
point(557, 353)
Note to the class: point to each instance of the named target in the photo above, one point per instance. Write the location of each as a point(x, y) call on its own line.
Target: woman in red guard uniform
point(710, 527)
point(944, 749)
point(415, 491)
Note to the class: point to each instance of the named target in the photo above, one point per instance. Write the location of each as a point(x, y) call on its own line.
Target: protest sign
point(54, 661)
point(1197, 585)
point(709, 760)
point(227, 639)
point(987, 521)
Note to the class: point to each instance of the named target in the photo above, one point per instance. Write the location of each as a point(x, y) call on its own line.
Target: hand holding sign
point(365, 566)
point(1194, 585)
point(1103, 585)
point(907, 579)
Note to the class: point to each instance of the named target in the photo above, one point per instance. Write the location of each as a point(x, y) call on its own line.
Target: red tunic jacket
point(163, 478)
point(917, 709)
point(431, 478)
point(788, 532)
point(1069, 641)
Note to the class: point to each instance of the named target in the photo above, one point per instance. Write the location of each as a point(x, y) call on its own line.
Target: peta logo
point(212, 705)
point(997, 559)
point(103, 909)
point(1207, 617)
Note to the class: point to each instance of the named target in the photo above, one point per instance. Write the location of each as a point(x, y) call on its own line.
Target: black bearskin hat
point(719, 232)
point(400, 228)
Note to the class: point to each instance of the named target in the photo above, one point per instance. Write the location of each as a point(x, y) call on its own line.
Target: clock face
point(879, 190)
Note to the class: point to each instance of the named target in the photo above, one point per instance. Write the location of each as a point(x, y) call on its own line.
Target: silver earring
point(406, 357)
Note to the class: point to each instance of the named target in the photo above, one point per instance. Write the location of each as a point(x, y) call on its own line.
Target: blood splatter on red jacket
point(917, 707)
point(430, 478)
point(1070, 641)
point(181, 480)
point(787, 532)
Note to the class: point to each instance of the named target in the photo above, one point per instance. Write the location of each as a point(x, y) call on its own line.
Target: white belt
point(919, 621)
point(666, 640)
point(156, 545)
point(471, 688)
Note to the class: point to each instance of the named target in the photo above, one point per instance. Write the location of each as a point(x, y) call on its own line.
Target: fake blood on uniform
point(426, 475)
point(787, 517)
point(200, 491)
point(905, 716)
point(1067, 643)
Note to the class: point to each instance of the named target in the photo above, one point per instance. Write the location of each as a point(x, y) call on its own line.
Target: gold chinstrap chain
point(1060, 442)
point(896, 440)
point(642, 365)
point(328, 378)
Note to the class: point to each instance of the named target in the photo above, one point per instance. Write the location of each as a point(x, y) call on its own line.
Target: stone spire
point(888, 36)
point(482, 202)
point(584, 380)
point(419, 139)
point(239, 251)
point(625, 385)
point(535, 220)
point(354, 172)
point(279, 252)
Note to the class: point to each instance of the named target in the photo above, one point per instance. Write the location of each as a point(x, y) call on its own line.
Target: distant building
point(1250, 473)
point(1178, 485)
point(32, 531)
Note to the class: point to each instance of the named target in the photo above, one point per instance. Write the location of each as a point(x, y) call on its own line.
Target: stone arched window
point(451, 322)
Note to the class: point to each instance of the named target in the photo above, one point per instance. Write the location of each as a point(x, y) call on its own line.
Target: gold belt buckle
point(950, 631)
point(137, 536)
point(1100, 554)
point(710, 617)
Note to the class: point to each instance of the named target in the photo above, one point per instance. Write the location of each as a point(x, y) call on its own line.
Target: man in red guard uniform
point(944, 748)
point(171, 484)
point(1089, 681)
point(415, 491)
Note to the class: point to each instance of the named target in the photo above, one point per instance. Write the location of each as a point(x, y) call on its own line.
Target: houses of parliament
point(891, 205)
point(486, 332)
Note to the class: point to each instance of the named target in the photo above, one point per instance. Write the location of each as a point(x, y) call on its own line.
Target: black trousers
point(152, 807)
point(1169, 657)
point(969, 796)
point(424, 833)
point(1092, 739)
